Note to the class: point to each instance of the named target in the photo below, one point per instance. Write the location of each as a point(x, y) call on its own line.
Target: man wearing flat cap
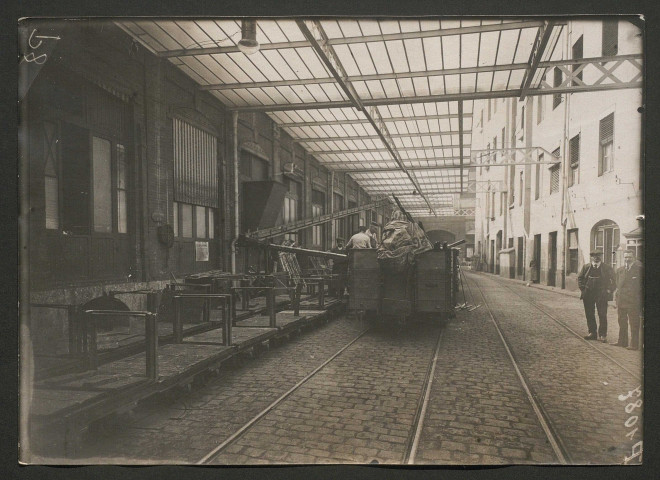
point(596, 282)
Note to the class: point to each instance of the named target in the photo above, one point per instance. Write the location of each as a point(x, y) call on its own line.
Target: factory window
point(186, 220)
point(51, 177)
point(488, 109)
point(122, 182)
point(292, 205)
point(96, 185)
point(318, 202)
point(573, 251)
point(557, 78)
point(610, 38)
point(101, 185)
point(195, 165)
point(520, 194)
point(503, 137)
point(339, 224)
point(574, 152)
point(193, 221)
point(606, 142)
point(494, 149)
point(577, 55)
point(317, 230)
point(353, 220)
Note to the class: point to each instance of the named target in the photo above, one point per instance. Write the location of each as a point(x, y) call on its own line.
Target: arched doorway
point(440, 236)
point(605, 236)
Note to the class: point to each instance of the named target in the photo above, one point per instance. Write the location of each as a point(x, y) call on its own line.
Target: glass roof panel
point(403, 65)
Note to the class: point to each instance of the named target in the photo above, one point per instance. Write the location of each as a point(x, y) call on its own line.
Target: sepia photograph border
point(10, 192)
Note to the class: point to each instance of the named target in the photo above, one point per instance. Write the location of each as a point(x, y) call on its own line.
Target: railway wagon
point(428, 288)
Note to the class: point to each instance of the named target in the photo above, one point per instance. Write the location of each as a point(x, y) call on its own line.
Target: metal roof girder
point(542, 38)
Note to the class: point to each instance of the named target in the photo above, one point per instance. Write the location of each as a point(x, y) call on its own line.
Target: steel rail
point(213, 453)
point(553, 437)
point(411, 451)
point(562, 324)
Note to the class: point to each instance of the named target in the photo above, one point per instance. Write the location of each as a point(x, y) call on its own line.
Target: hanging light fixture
point(248, 43)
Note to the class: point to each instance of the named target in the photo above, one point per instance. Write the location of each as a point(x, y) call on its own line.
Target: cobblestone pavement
point(478, 412)
point(186, 430)
point(570, 311)
point(359, 409)
point(578, 387)
point(362, 406)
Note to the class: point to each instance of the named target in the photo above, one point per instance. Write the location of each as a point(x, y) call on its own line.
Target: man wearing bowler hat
point(596, 282)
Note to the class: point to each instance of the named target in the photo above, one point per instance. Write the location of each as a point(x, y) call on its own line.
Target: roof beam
point(366, 78)
point(449, 97)
point(362, 39)
point(374, 137)
point(567, 87)
point(364, 120)
point(381, 170)
point(460, 138)
point(373, 150)
point(542, 38)
point(360, 163)
point(326, 53)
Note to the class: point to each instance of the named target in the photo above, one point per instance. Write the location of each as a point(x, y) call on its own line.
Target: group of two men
point(597, 281)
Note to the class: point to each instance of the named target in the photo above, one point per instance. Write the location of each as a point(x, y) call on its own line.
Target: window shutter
point(575, 151)
point(607, 129)
point(554, 179)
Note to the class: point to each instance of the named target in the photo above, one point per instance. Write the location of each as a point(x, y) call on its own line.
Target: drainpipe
point(564, 167)
point(234, 120)
point(332, 207)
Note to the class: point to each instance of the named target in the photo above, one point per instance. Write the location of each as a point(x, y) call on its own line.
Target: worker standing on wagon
point(373, 233)
point(360, 239)
point(596, 282)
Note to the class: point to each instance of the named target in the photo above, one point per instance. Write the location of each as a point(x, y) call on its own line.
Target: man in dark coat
point(596, 282)
point(339, 270)
point(629, 300)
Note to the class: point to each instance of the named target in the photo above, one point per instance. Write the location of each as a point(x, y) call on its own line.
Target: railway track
point(208, 458)
point(551, 430)
point(594, 345)
point(415, 429)
point(558, 447)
